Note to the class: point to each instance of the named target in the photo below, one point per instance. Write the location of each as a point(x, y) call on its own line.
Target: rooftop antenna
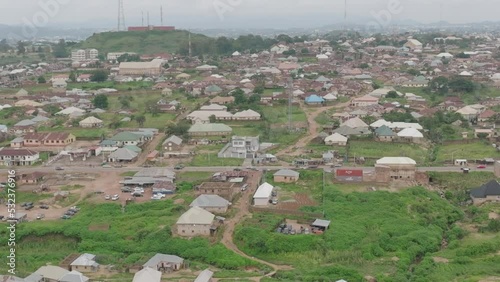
point(161, 15)
point(290, 99)
point(121, 16)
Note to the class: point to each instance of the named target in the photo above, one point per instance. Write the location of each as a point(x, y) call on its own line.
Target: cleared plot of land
point(471, 151)
point(211, 159)
point(278, 114)
point(372, 149)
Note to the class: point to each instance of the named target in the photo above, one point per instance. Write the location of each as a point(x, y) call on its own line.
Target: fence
point(286, 212)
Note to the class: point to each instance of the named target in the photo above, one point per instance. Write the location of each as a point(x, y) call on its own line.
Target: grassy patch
point(128, 173)
point(278, 114)
point(471, 151)
point(193, 176)
point(211, 159)
point(375, 150)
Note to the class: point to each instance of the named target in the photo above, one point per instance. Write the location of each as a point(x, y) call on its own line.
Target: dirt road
point(313, 129)
point(242, 206)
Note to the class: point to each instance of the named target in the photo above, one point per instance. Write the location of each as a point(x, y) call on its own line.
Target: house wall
point(191, 230)
point(90, 125)
point(285, 179)
point(260, 201)
point(478, 201)
point(170, 146)
point(216, 133)
point(384, 138)
point(216, 209)
point(83, 269)
point(16, 145)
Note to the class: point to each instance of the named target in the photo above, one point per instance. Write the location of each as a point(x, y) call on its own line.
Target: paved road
point(87, 169)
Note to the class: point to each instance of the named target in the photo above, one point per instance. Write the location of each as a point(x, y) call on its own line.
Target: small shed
point(321, 224)
point(263, 194)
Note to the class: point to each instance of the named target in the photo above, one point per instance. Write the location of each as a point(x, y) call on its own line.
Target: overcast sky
point(247, 13)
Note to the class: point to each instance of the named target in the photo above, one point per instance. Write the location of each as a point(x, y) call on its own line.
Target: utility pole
point(189, 39)
point(161, 15)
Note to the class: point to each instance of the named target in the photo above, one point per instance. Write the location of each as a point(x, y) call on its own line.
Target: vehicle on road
point(157, 196)
point(179, 167)
point(115, 197)
point(59, 168)
point(237, 169)
point(139, 189)
point(274, 201)
point(40, 216)
point(64, 216)
point(244, 187)
point(118, 166)
point(107, 197)
point(481, 166)
point(106, 166)
point(45, 207)
point(29, 207)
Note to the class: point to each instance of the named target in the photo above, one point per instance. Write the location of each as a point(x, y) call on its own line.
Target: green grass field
point(372, 149)
point(471, 151)
point(278, 114)
point(211, 159)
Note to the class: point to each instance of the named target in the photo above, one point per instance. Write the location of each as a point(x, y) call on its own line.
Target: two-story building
point(18, 157)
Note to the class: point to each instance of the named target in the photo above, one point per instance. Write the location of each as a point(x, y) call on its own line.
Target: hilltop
point(142, 42)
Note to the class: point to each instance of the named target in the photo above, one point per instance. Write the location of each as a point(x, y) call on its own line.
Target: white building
point(263, 194)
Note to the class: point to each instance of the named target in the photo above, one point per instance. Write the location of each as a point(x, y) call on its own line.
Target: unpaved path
point(242, 206)
point(313, 129)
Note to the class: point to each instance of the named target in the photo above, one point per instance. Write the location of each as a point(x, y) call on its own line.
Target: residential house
point(109, 145)
point(418, 81)
point(479, 132)
point(213, 108)
point(413, 44)
point(469, 113)
point(204, 116)
point(147, 274)
point(48, 139)
point(242, 147)
point(364, 101)
point(222, 100)
point(51, 273)
point(195, 222)
point(211, 203)
point(205, 276)
point(314, 100)
point(263, 194)
point(246, 115)
point(23, 127)
point(410, 135)
point(336, 139)
point(73, 276)
point(123, 155)
point(3, 128)
point(172, 143)
point(85, 263)
point(212, 129)
point(165, 263)
point(17, 142)
point(384, 134)
point(355, 123)
point(286, 176)
point(489, 192)
point(127, 138)
point(71, 111)
point(18, 157)
point(226, 190)
point(213, 90)
point(486, 116)
point(91, 122)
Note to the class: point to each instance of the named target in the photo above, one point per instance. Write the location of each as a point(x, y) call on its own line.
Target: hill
point(143, 42)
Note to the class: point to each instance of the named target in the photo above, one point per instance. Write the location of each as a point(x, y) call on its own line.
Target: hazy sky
point(245, 13)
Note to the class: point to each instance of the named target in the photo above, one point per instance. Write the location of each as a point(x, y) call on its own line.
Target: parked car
point(139, 189)
point(157, 196)
point(69, 212)
point(45, 207)
point(64, 216)
point(118, 166)
point(481, 166)
point(274, 193)
point(237, 169)
point(107, 166)
point(59, 168)
point(28, 208)
point(137, 194)
point(274, 201)
point(126, 189)
point(24, 205)
point(115, 197)
point(162, 191)
point(179, 166)
point(40, 216)
point(292, 232)
point(244, 187)
point(107, 197)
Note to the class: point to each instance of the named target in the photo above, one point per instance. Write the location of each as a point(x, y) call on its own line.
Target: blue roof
point(314, 99)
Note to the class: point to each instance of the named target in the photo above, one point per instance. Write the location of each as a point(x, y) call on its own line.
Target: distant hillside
point(143, 42)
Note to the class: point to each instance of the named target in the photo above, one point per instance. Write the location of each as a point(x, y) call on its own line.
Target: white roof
point(330, 96)
point(446, 55)
point(213, 107)
point(52, 272)
point(264, 191)
point(396, 161)
point(141, 65)
point(355, 122)
point(467, 110)
point(204, 276)
point(70, 110)
point(91, 120)
point(336, 137)
point(247, 113)
point(380, 123)
point(196, 215)
point(85, 260)
point(286, 172)
point(410, 132)
point(403, 125)
point(209, 201)
point(147, 274)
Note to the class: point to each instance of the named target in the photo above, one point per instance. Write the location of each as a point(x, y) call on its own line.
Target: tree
point(140, 120)
point(41, 79)
point(180, 129)
point(459, 84)
point(72, 76)
point(99, 75)
point(212, 119)
point(101, 101)
point(413, 72)
point(462, 55)
point(60, 50)
point(21, 48)
point(392, 95)
point(129, 58)
point(153, 108)
point(304, 51)
point(364, 66)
